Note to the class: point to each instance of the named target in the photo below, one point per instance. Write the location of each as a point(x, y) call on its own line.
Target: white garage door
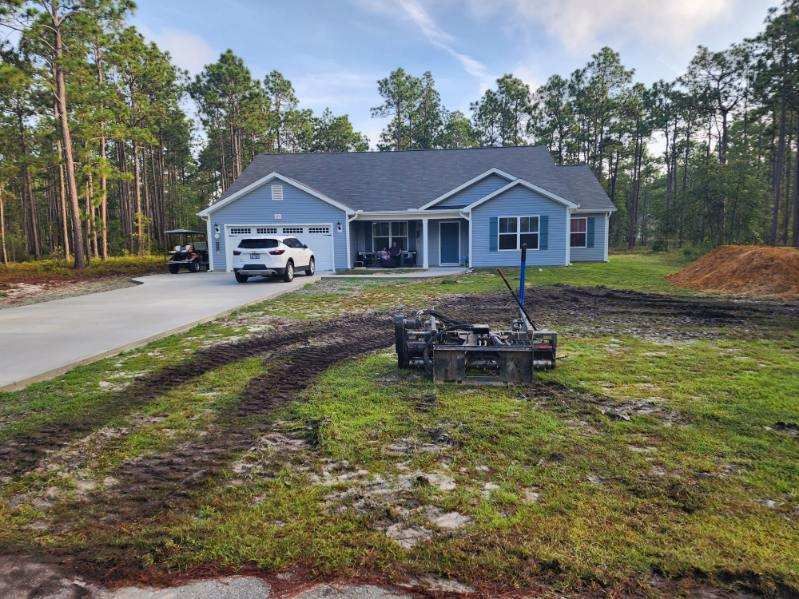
point(317, 237)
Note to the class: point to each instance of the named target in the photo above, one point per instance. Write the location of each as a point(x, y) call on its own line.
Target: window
point(579, 228)
point(266, 230)
point(240, 230)
point(277, 192)
point(528, 232)
point(386, 234)
point(323, 230)
point(258, 244)
point(517, 230)
point(293, 230)
point(293, 243)
point(508, 233)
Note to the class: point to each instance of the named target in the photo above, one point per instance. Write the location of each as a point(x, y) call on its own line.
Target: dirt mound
point(746, 270)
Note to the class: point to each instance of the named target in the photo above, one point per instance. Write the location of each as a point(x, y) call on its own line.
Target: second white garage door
point(317, 237)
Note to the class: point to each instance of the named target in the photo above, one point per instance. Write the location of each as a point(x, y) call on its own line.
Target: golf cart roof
point(182, 232)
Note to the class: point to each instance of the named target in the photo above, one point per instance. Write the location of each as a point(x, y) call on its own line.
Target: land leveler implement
point(456, 351)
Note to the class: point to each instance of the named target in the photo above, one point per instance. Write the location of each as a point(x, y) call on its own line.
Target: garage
point(318, 237)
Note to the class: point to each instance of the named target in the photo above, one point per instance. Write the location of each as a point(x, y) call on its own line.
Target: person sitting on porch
point(383, 257)
point(395, 252)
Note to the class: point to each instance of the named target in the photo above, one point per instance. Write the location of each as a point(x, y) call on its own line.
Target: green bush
point(62, 269)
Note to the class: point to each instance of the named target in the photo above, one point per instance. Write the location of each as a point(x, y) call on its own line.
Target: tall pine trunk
point(778, 170)
point(137, 195)
point(103, 179)
point(3, 225)
point(66, 136)
point(62, 198)
point(796, 192)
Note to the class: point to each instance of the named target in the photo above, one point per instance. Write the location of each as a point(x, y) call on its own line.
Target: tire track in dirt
point(148, 487)
point(23, 452)
point(601, 311)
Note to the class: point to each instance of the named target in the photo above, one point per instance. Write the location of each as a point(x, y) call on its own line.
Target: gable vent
point(277, 192)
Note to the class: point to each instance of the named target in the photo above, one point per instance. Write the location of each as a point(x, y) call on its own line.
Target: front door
point(450, 240)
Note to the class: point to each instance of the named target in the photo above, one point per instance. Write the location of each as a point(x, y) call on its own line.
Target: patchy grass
point(710, 488)
point(637, 460)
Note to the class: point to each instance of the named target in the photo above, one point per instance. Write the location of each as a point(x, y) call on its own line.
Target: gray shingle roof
point(402, 180)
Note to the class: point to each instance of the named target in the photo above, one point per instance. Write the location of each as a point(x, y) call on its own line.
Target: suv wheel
point(241, 278)
point(288, 273)
point(311, 268)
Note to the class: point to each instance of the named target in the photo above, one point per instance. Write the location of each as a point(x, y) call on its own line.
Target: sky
point(334, 51)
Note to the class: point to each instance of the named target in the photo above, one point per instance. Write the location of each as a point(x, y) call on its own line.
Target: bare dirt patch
point(23, 294)
point(599, 311)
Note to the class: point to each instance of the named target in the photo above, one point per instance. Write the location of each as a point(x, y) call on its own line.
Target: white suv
point(272, 256)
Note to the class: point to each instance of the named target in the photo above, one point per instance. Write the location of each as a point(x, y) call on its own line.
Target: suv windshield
point(258, 244)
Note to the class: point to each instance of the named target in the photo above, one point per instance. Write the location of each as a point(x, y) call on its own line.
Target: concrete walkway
point(40, 341)
point(379, 273)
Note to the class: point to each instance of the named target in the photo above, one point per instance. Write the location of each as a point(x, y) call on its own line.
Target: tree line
point(98, 155)
point(709, 158)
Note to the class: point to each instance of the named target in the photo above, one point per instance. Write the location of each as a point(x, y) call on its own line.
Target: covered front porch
point(426, 240)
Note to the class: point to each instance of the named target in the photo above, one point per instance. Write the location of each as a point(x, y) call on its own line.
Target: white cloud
point(528, 75)
point(335, 88)
point(413, 11)
point(581, 25)
point(188, 50)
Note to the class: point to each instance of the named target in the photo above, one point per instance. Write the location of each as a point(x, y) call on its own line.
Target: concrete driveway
point(43, 340)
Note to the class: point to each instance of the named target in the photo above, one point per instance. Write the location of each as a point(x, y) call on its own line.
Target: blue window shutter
point(493, 232)
point(591, 226)
point(544, 233)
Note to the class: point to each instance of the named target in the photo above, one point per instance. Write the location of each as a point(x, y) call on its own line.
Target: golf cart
point(191, 251)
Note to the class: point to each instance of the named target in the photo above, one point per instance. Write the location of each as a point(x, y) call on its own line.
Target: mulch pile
point(743, 269)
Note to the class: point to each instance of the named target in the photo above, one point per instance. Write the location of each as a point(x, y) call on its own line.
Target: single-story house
point(472, 207)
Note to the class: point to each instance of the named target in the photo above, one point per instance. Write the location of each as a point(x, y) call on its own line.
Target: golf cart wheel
point(311, 268)
point(174, 268)
point(195, 267)
point(288, 273)
point(241, 278)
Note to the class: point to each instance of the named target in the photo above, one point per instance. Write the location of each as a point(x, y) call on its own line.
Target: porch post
point(425, 259)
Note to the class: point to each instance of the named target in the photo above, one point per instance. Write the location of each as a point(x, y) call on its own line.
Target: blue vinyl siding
point(473, 193)
point(297, 207)
point(519, 201)
point(596, 253)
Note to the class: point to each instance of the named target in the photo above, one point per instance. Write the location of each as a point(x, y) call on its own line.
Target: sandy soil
point(22, 294)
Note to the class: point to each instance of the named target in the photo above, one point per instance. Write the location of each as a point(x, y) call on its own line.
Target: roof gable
point(263, 181)
point(469, 183)
point(520, 182)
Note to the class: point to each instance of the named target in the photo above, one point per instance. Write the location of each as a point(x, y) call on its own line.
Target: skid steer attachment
point(454, 351)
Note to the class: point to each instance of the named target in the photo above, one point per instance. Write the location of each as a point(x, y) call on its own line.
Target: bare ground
point(33, 292)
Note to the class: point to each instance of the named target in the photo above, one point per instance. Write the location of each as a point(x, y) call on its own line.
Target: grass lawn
point(658, 457)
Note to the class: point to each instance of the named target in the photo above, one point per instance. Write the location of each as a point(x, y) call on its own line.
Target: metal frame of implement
point(455, 351)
